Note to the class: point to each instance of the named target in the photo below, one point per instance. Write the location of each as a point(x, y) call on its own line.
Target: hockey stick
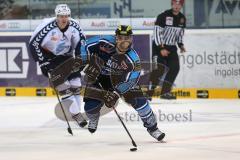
point(123, 124)
point(69, 129)
point(133, 142)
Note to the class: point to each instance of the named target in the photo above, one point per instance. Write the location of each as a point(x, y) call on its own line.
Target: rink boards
point(208, 69)
point(181, 93)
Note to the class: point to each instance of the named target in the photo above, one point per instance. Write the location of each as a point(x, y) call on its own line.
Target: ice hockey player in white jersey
point(53, 42)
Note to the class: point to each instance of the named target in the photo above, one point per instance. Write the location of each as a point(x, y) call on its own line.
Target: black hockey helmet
point(125, 30)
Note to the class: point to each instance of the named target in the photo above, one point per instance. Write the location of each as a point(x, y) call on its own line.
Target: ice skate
point(93, 122)
point(157, 134)
point(79, 120)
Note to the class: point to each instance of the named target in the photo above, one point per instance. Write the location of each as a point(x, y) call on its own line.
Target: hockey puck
point(133, 149)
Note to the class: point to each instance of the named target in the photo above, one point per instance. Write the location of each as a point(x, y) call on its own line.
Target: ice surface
point(29, 130)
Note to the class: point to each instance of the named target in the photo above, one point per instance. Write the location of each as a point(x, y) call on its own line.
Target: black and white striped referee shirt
point(169, 29)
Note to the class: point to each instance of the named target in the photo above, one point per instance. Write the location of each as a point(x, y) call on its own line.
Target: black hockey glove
point(62, 71)
point(111, 98)
point(45, 68)
point(92, 72)
point(93, 69)
point(77, 65)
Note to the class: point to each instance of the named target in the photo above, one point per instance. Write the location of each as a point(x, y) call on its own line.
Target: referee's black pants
point(166, 65)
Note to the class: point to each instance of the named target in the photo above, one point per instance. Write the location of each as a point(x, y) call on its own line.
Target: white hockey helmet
point(62, 9)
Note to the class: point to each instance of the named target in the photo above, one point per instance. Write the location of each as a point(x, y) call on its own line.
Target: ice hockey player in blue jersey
point(53, 42)
point(118, 76)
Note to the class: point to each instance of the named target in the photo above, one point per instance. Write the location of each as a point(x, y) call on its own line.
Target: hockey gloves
point(45, 68)
point(93, 69)
point(61, 72)
point(111, 98)
point(77, 65)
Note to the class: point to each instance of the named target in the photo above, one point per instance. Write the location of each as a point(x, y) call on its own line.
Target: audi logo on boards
point(113, 24)
point(13, 25)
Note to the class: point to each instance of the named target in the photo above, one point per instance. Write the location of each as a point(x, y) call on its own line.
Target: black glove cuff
point(180, 45)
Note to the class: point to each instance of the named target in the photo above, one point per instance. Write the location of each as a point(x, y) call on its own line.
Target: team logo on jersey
point(124, 65)
point(113, 64)
point(54, 38)
point(169, 21)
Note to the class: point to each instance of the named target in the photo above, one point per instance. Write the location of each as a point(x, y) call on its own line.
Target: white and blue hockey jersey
point(48, 41)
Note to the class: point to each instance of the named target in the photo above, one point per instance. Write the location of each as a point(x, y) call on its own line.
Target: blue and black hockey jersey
point(105, 48)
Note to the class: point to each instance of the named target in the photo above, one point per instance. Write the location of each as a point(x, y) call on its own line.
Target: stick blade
point(70, 131)
point(133, 149)
point(134, 144)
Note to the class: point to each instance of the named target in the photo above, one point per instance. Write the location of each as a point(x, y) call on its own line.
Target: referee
point(168, 32)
